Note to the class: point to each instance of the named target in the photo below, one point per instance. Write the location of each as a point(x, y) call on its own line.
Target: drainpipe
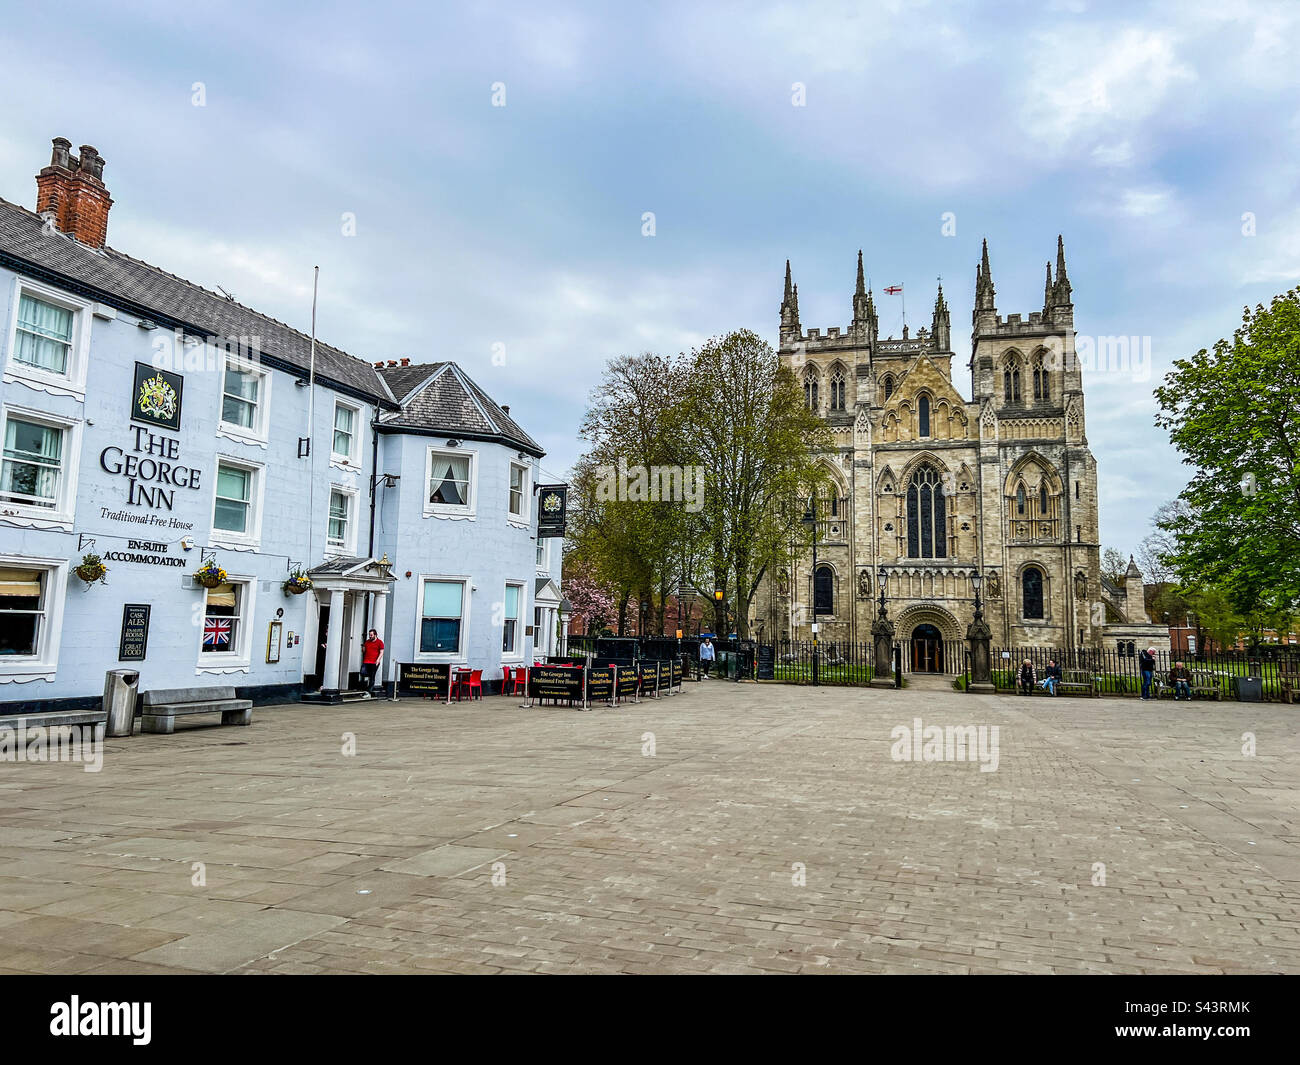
point(374, 491)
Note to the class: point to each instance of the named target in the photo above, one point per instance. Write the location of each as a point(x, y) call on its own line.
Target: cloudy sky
point(1144, 132)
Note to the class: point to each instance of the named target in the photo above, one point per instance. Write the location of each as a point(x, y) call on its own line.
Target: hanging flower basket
point(297, 583)
point(210, 575)
point(92, 569)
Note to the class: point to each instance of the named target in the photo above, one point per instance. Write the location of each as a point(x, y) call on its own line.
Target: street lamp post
point(882, 638)
point(809, 521)
point(978, 639)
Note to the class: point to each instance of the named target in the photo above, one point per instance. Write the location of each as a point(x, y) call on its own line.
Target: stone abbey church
point(931, 485)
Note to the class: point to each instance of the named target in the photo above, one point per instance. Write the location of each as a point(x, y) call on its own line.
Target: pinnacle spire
point(984, 282)
point(1062, 290)
point(794, 303)
point(984, 260)
point(787, 282)
point(862, 287)
point(1047, 289)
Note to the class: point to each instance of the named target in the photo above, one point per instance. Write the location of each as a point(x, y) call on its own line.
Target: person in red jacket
point(371, 652)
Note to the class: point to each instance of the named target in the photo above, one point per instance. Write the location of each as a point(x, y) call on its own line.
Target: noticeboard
point(766, 661)
point(426, 678)
point(134, 642)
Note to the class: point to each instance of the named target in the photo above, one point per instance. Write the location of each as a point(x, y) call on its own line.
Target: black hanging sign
point(134, 643)
point(156, 399)
point(552, 510)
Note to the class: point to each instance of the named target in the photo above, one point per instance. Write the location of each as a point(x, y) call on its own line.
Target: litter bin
point(1248, 689)
point(119, 700)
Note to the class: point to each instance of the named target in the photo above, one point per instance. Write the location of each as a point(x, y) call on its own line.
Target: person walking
point(372, 650)
point(1147, 666)
point(707, 655)
point(1181, 679)
point(1027, 678)
point(1052, 677)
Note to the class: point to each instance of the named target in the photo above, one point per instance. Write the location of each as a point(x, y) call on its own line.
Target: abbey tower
point(931, 485)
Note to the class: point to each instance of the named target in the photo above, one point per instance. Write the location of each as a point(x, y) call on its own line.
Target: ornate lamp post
point(978, 638)
point(882, 638)
point(809, 521)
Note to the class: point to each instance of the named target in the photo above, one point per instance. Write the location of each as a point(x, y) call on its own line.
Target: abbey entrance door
point(927, 649)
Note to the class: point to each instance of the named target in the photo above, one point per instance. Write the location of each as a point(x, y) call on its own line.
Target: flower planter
point(91, 574)
point(208, 580)
point(295, 589)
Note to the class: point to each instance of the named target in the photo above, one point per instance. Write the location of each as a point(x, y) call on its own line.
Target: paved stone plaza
point(614, 860)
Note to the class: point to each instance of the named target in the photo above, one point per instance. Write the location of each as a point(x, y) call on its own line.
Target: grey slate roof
point(155, 293)
point(449, 402)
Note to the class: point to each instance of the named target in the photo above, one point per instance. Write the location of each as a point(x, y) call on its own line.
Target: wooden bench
point(160, 708)
point(1288, 672)
point(1077, 682)
point(1206, 684)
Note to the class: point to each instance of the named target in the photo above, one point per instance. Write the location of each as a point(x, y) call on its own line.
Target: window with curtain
point(541, 553)
point(221, 618)
point(32, 466)
point(340, 515)
point(241, 392)
point(923, 414)
point(449, 483)
point(824, 590)
point(518, 485)
point(510, 625)
point(927, 515)
point(234, 499)
point(22, 610)
point(43, 338)
point(344, 433)
point(440, 616)
point(1033, 592)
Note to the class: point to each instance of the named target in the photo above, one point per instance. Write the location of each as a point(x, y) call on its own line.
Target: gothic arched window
point(1011, 381)
point(824, 590)
point(927, 515)
point(1042, 499)
point(1032, 583)
point(810, 396)
point(837, 388)
point(1020, 499)
point(923, 414)
point(888, 385)
point(1042, 389)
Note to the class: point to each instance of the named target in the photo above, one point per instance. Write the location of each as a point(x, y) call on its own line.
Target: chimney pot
point(392, 362)
point(71, 191)
point(406, 362)
point(505, 409)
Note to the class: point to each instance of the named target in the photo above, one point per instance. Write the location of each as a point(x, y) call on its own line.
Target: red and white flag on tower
point(894, 290)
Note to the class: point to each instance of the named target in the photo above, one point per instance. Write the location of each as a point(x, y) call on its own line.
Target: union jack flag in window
point(216, 632)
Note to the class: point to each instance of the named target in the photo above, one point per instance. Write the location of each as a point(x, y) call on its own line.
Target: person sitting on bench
point(1052, 677)
point(1027, 678)
point(1181, 680)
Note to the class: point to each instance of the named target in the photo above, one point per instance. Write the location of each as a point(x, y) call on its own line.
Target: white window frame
point(259, 432)
point(20, 669)
point(461, 653)
point(524, 517)
point(448, 510)
point(251, 539)
point(544, 548)
point(72, 383)
point(521, 606)
point(352, 460)
point(63, 513)
point(349, 545)
point(238, 660)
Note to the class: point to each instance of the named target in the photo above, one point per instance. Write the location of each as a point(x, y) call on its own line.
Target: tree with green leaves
point(1233, 411)
point(1113, 566)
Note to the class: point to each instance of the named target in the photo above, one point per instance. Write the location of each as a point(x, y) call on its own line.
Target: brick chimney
point(72, 188)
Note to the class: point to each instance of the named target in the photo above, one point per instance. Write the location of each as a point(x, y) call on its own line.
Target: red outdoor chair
point(516, 682)
point(469, 680)
point(476, 683)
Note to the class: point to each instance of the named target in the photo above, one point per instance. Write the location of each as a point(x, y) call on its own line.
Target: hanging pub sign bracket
point(84, 541)
point(304, 447)
point(207, 554)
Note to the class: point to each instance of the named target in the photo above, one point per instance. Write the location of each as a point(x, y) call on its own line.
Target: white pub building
point(152, 429)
